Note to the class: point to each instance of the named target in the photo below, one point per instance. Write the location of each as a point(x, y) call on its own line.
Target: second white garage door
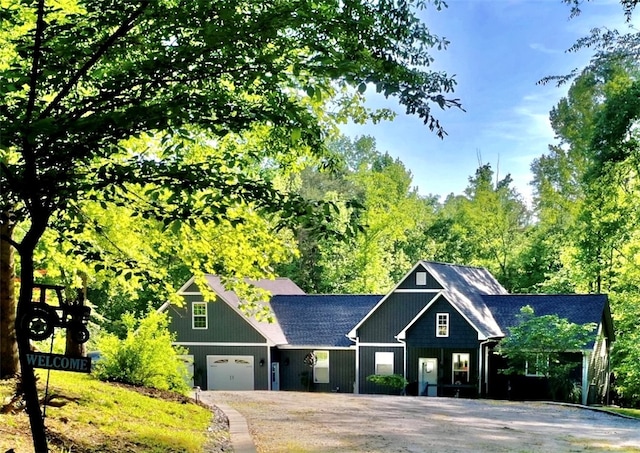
point(230, 372)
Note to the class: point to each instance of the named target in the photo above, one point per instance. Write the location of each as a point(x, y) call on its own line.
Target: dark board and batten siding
point(410, 281)
point(392, 316)
point(224, 324)
point(368, 364)
point(261, 375)
point(423, 332)
point(294, 373)
point(445, 367)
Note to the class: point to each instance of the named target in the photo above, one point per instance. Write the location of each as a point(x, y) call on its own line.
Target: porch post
point(356, 384)
point(268, 367)
point(585, 376)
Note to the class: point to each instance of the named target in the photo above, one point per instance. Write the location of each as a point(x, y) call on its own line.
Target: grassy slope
point(94, 416)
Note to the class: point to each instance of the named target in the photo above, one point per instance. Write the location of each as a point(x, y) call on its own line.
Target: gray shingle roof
point(320, 320)
point(464, 287)
point(577, 308)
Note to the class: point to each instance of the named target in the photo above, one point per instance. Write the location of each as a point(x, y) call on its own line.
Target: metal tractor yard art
point(41, 319)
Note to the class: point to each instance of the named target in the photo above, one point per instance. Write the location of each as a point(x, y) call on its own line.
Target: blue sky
point(499, 50)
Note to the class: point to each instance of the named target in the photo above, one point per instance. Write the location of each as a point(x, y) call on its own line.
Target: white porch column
point(586, 355)
point(356, 384)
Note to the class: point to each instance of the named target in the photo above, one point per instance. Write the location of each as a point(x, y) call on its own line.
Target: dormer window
point(421, 278)
point(442, 324)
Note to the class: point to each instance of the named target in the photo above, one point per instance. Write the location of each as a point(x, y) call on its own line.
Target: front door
point(275, 376)
point(427, 376)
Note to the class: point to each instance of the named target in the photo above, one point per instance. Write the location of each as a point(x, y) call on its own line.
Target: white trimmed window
point(536, 367)
point(421, 278)
point(442, 324)
point(199, 315)
point(321, 368)
point(460, 368)
point(384, 363)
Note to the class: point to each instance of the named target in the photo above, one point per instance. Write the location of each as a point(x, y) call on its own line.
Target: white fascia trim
point(402, 335)
point(183, 288)
point(323, 348)
point(218, 343)
point(417, 290)
point(352, 332)
point(183, 292)
point(163, 307)
point(435, 277)
point(381, 345)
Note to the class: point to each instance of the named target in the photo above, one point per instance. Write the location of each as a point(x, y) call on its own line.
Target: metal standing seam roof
point(464, 288)
point(320, 320)
point(272, 331)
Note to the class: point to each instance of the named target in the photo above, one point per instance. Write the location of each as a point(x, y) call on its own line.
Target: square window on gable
point(199, 315)
point(421, 278)
point(442, 324)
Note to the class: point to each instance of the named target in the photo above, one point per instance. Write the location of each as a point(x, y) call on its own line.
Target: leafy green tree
point(486, 226)
point(541, 341)
point(78, 78)
point(626, 353)
point(391, 212)
point(145, 357)
point(589, 190)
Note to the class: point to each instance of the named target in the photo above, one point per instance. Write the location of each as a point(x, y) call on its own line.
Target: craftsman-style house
point(438, 328)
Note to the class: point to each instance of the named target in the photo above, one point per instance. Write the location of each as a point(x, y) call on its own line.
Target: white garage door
point(230, 372)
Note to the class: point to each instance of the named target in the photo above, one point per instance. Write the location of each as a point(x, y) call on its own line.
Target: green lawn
point(635, 413)
point(87, 415)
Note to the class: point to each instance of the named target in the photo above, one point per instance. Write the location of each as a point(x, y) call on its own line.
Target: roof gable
point(464, 287)
point(320, 320)
point(272, 330)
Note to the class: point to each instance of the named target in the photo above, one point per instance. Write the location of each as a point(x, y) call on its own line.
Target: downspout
point(404, 357)
point(482, 366)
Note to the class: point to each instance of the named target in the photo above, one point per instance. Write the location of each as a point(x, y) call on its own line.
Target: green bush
point(395, 381)
point(144, 357)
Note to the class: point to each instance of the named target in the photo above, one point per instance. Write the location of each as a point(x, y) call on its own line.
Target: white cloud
point(544, 49)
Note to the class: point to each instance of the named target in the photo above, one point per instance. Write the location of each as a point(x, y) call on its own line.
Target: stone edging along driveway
point(320, 422)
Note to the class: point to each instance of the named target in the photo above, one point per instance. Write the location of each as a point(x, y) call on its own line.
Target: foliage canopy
point(543, 340)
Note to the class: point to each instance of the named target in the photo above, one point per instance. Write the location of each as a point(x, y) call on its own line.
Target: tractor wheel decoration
point(79, 333)
point(39, 323)
point(41, 318)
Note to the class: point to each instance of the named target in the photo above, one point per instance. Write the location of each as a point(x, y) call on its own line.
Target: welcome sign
point(59, 362)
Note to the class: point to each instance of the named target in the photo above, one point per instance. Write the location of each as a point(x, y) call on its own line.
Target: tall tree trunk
point(72, 348)
point(26, 249)
point(8, 342)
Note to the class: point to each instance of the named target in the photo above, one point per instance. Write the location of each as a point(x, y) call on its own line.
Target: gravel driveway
point(319, 422)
